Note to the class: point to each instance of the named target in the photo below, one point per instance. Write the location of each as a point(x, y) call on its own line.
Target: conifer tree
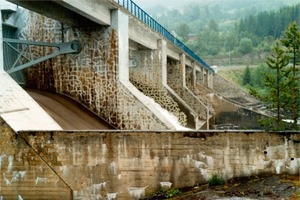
point(282, 85)
point(276, 85)
point(292, 42)
point(247, 76)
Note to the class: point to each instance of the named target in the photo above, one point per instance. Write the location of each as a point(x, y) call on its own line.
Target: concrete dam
point(99, 101)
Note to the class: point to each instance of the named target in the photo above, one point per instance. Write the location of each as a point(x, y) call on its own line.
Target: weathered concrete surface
point(72, 12)
point(98, 164)
point(24, 174)
point(19, 110)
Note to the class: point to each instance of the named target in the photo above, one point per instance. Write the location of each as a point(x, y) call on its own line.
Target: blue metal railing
point(134, 9)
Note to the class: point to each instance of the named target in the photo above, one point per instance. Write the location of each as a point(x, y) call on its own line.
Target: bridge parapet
point(135, 10)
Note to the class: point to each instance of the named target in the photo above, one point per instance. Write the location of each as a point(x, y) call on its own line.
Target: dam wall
point(120, 65)
point(132, 164)
point(91, 77)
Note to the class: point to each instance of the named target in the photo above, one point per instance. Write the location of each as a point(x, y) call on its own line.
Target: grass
point(216, 180)
point(164, 193)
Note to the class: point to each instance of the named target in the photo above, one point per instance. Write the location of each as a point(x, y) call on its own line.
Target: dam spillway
point(68, 113)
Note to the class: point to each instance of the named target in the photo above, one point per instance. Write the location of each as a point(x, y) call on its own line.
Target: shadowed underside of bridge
point(72, 12)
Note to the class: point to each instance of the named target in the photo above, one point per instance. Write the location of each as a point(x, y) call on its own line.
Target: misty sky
point(148, 4)
point(144, 4)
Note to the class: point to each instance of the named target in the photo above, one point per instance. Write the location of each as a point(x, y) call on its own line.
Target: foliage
point(266, 23)
point(245, 46)
point(164, 193)
point(221, 31)
point(216, 180)
point(292, 42)
point(247, 76)
point(282, 82)
point(257, 76)
point(276, 83)
point(183, 31)
point(173, 192)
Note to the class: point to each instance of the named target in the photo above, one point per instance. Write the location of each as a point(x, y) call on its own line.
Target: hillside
point(234, 32)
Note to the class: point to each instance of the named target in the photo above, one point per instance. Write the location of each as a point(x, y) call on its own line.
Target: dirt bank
point(267, 187)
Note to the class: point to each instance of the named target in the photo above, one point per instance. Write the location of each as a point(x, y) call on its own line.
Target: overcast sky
point(144, 4)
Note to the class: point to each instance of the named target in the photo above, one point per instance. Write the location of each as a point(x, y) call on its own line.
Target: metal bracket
point(62, 48)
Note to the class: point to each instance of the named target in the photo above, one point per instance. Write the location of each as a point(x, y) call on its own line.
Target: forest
point(227, 34)
point(267, 39)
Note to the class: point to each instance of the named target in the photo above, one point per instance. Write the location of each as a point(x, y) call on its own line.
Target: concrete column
point(204, 77)
point(210, 80)
point(207, 77)
point(1, 44)
point(194, 76)
point(182, 68)
point(162, 53)
point(119, 22)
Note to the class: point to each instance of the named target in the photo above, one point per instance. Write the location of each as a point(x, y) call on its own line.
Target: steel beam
point(62, 48)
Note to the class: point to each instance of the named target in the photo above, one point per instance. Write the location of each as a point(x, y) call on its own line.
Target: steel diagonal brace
point(62, 48)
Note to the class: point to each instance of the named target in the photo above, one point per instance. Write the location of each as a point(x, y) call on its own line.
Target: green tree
point(208, 42)
point(245, 46)
point(292, 42)
point(247, 76)
point(183, 31)
point(257, 76)
point(276, 84)
point(231, 40)
point(213, 25)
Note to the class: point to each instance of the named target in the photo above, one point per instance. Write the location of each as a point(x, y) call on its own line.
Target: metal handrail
point(134, 9)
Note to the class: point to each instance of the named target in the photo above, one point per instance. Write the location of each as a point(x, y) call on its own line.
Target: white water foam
point(137, 192)
point(172, 118)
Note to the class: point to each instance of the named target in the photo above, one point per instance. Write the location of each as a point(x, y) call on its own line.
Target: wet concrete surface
point(233, 116)
point(68, 113)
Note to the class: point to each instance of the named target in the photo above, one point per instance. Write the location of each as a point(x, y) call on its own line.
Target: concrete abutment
point(96, 164)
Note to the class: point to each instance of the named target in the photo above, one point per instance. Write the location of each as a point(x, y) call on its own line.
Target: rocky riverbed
point(264, 187)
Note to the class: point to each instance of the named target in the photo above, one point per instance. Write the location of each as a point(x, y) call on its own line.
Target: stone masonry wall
point(174, 77)
point(148, 79)
point(90, 77)
point(129, 165)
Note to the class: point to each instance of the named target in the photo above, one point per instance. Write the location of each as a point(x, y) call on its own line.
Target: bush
point(172, 193)
point(165, 194)
point(216, 180)
point(246, 46)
